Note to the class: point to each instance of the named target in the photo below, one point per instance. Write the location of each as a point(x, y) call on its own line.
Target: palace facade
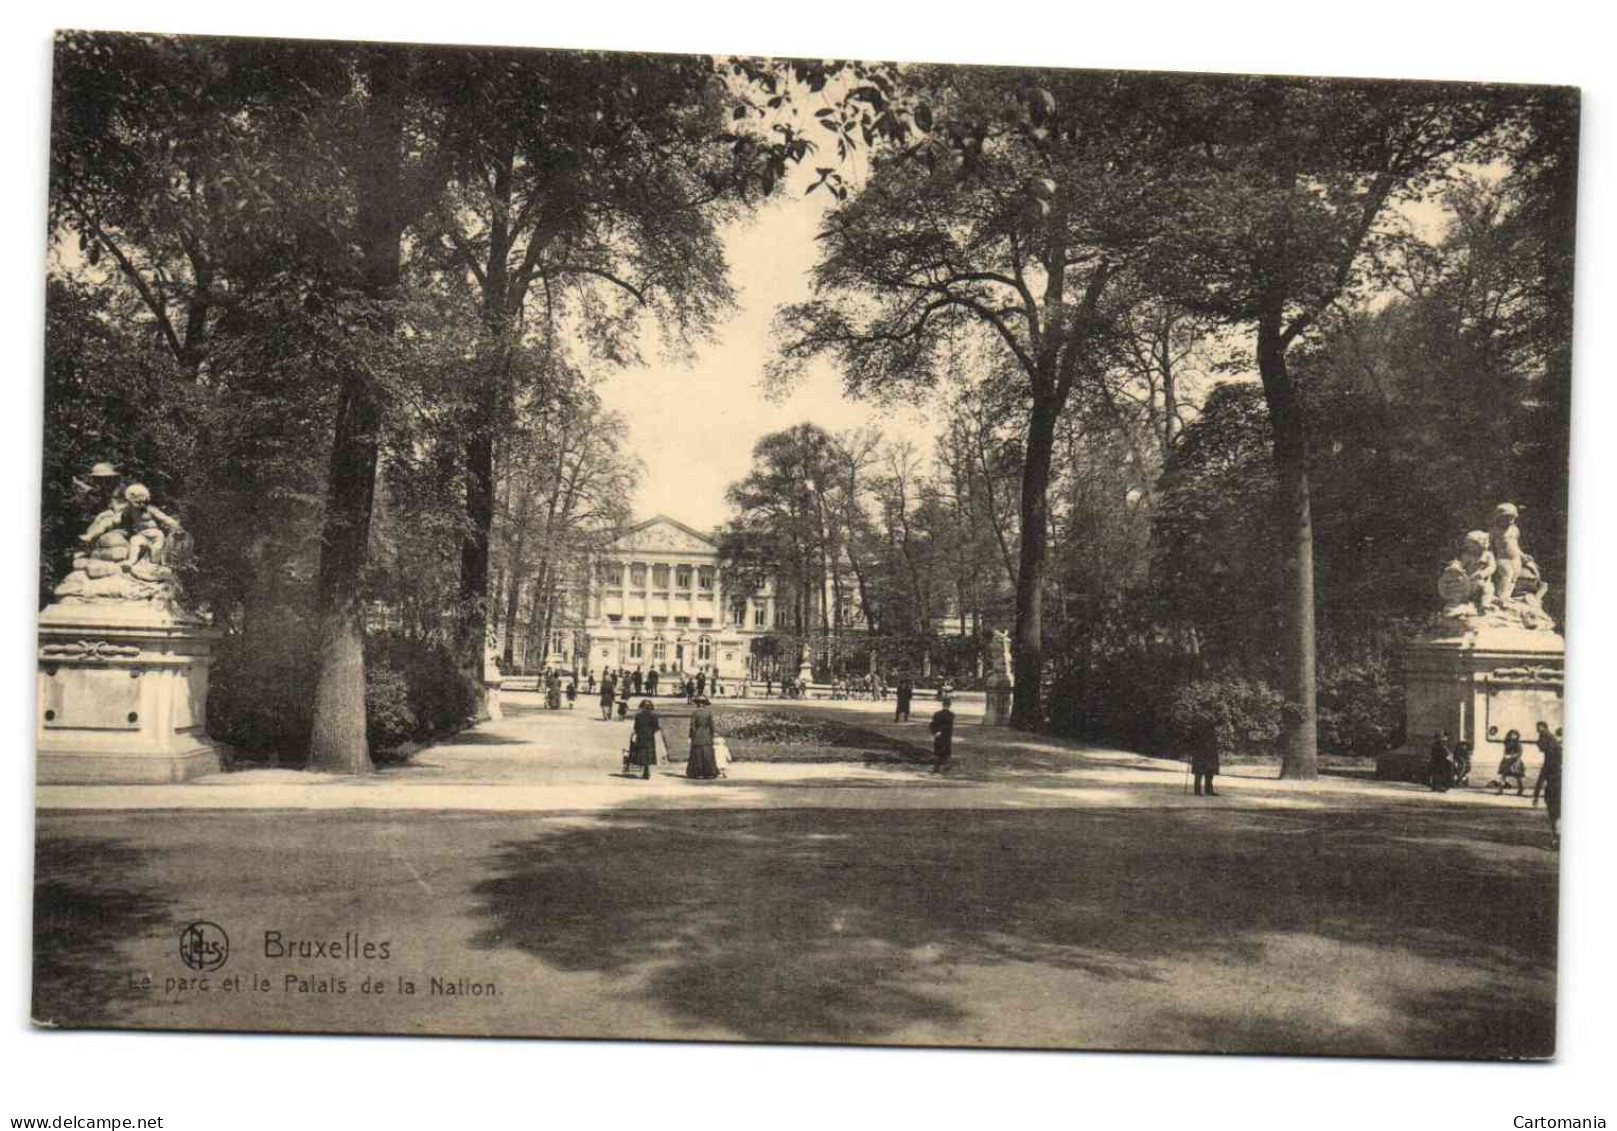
point(654, 601)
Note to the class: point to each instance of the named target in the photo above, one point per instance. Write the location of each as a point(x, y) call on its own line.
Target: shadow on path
point(484, 738)
point(84, 910)
point(844, 925)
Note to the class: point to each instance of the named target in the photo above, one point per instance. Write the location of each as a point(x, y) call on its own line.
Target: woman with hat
point(702, 763)
point(643, 744)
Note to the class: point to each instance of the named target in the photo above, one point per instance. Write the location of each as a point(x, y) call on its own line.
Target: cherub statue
point(1518, 581)
point(148, 525)
point(1494, 580)
point(1505, 541)
point(127, 544)
point(1466, 582)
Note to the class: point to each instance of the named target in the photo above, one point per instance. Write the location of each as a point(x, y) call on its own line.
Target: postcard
point(574, 544)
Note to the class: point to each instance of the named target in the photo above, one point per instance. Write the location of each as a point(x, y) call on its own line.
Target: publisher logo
point(204, 946)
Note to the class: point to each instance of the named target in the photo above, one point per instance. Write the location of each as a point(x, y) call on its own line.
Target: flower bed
point(773, 736)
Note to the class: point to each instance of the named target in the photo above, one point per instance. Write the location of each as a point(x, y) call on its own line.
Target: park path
point(536, 760)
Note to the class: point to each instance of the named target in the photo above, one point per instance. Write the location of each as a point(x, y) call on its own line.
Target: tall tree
point(1010, 221)
point(591, 191)
point(1274, 218)
point(788, 526)
point(566, 483)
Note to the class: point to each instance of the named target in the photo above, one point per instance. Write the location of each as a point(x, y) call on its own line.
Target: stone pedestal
point(123, 694)
point(1478, 686)
point(997, 703)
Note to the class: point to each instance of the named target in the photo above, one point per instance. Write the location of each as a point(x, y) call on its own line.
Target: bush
point(262, 689)
point(441, 697)
point(1237, 714)
point(1361, 709)
point(262, 694)
point(389, 718)
point(1121, 698)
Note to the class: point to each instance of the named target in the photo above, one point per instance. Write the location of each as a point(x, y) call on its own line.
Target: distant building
point(653, 600)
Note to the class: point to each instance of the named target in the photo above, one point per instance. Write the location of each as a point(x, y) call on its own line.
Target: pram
point(659, 755)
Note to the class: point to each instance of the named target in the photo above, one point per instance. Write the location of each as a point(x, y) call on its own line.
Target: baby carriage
point(658, 755)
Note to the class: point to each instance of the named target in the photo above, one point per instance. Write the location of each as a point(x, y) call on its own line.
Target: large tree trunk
point(547, 623)
point(488, 408)
point(337, 743)
point(1300, 750)
point(474, 553)
point(1026, 710)
point(538, 611)
point(513, 609)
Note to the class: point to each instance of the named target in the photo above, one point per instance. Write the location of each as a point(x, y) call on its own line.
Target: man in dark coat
point(942, 728)
point(609, 692)
point(701, 683)
point(1549, 778)
point(906, 689)
point(1440, 763)
point(1204, 760)
point(651, 682)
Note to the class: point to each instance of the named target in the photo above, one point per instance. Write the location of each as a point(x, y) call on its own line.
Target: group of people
point(868, 686)
point(789, 688)
point(622, 684)
point(634, 682)
point(551, 684)
point(704, 760)
point(1448, 767)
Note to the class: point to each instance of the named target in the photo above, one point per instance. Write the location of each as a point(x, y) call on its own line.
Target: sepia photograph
point(711, 550)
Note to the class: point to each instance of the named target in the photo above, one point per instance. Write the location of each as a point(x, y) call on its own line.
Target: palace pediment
point(665, 535)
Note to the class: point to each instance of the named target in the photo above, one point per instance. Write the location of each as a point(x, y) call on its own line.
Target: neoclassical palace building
point(654, 601)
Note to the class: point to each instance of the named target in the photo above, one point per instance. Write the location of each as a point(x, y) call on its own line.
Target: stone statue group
point(1493, 581)
point(126, 553)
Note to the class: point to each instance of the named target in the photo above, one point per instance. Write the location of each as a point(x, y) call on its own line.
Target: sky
point(694, 426)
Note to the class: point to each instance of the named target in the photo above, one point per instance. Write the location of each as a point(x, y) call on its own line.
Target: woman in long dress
point(702, 763)
point(643, 745)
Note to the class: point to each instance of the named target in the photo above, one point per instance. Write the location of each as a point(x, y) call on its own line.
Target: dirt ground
point(1042, 898)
